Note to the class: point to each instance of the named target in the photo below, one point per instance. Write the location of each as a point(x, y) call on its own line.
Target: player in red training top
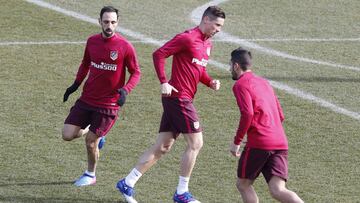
point(106, 57)
point(266, 150)
point(190, 50)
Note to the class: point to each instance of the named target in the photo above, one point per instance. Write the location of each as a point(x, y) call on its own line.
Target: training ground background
point(309, 50)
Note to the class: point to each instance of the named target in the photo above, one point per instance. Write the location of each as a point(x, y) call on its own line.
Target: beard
point(234, 75)
point(108, 32)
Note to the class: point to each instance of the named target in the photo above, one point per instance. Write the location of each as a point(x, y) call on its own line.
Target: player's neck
point(243, 72)
point(202, 30)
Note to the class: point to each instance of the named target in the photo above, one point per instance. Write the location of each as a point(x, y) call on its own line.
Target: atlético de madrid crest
point(113, 55)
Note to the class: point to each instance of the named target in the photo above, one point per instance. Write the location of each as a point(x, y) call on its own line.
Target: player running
point(190, 50)
point(106, 57)
point(266, 150)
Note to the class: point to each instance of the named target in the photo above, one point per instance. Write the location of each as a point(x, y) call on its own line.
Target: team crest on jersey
point(196, 125)
point(208, 50)
point(113, 55)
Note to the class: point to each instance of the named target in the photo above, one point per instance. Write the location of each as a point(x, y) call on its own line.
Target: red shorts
point(269, 163)
point(100, 119)
point(179, 116)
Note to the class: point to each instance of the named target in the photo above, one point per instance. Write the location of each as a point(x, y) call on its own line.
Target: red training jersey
point(261, 114)
point(106, 60)
point(190, 50)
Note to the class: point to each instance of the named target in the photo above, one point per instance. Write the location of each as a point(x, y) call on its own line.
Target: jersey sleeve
point(244, 101)
point(132, 64)
point(205, 78)
point(281, 113)
point(175, 45)
point(84, 66)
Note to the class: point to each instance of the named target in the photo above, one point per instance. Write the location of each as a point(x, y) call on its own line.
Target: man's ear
point(206, 19)
point(237, 66)
point(99, 20)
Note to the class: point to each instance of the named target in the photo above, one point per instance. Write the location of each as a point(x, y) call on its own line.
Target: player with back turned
point(106, 58)
point(266, 150)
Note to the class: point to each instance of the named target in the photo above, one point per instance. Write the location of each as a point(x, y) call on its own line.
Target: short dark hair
point(242, 57)
point(214, 12)
point(109, 9)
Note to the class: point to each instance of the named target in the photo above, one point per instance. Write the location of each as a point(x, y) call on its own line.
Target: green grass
point(37, 166)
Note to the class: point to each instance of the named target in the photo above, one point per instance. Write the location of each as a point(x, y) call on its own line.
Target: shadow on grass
point(30, 199)
point(24, 199)
point(38, 184)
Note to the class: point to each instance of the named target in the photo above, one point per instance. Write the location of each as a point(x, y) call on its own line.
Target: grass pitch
point(37, 166)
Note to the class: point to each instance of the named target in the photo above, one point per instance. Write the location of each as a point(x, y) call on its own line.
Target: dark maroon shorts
point(100, 119)
point(269, 163)
point(179, 116)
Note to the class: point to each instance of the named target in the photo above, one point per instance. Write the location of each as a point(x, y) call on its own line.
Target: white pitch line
point(315, 99)
point(86, 18)
point(298, 40)
point(54, 43)
point(195, 15)
point(196, 18)
point(40, 43)
point(215, 40)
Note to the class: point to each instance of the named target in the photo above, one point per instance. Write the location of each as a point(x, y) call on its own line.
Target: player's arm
point(175, 45)
point(132, 64)
point(281, 113)
point(133, 67)
point(208, 81)
point(244, 101)
point(80, 76)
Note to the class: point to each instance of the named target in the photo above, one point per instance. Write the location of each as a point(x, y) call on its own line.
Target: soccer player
point(106, 57)
point(190, 51)
point(266, 150)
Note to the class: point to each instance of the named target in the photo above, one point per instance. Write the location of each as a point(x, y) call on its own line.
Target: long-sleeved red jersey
point(261, 114)
point(106, 60)
point(190, 50)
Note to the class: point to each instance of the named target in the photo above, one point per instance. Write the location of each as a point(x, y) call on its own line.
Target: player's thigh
point(179, 115)
point(277, 165)
point(164, 141)
point(251, 163)
point(70, 131)
point(101, 123)
point(194, 140)
point(79, 116)
point(276, 184)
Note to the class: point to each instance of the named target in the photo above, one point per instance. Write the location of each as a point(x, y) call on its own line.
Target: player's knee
point(66, 135)
point(243, 185)
point(276, 192)
point(90, 142)
point(240, 186)
point(165, 149)
point(196, 146)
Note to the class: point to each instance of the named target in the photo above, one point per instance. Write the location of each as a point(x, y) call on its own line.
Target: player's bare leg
point(163, 144)
point(92, 141)
point(194, 144)
point(246, 189)
point(89, 178)
point(279, 191)
point(70, 132)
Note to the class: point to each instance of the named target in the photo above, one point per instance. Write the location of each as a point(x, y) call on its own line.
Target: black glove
point(70, 90)
point(122, 98)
